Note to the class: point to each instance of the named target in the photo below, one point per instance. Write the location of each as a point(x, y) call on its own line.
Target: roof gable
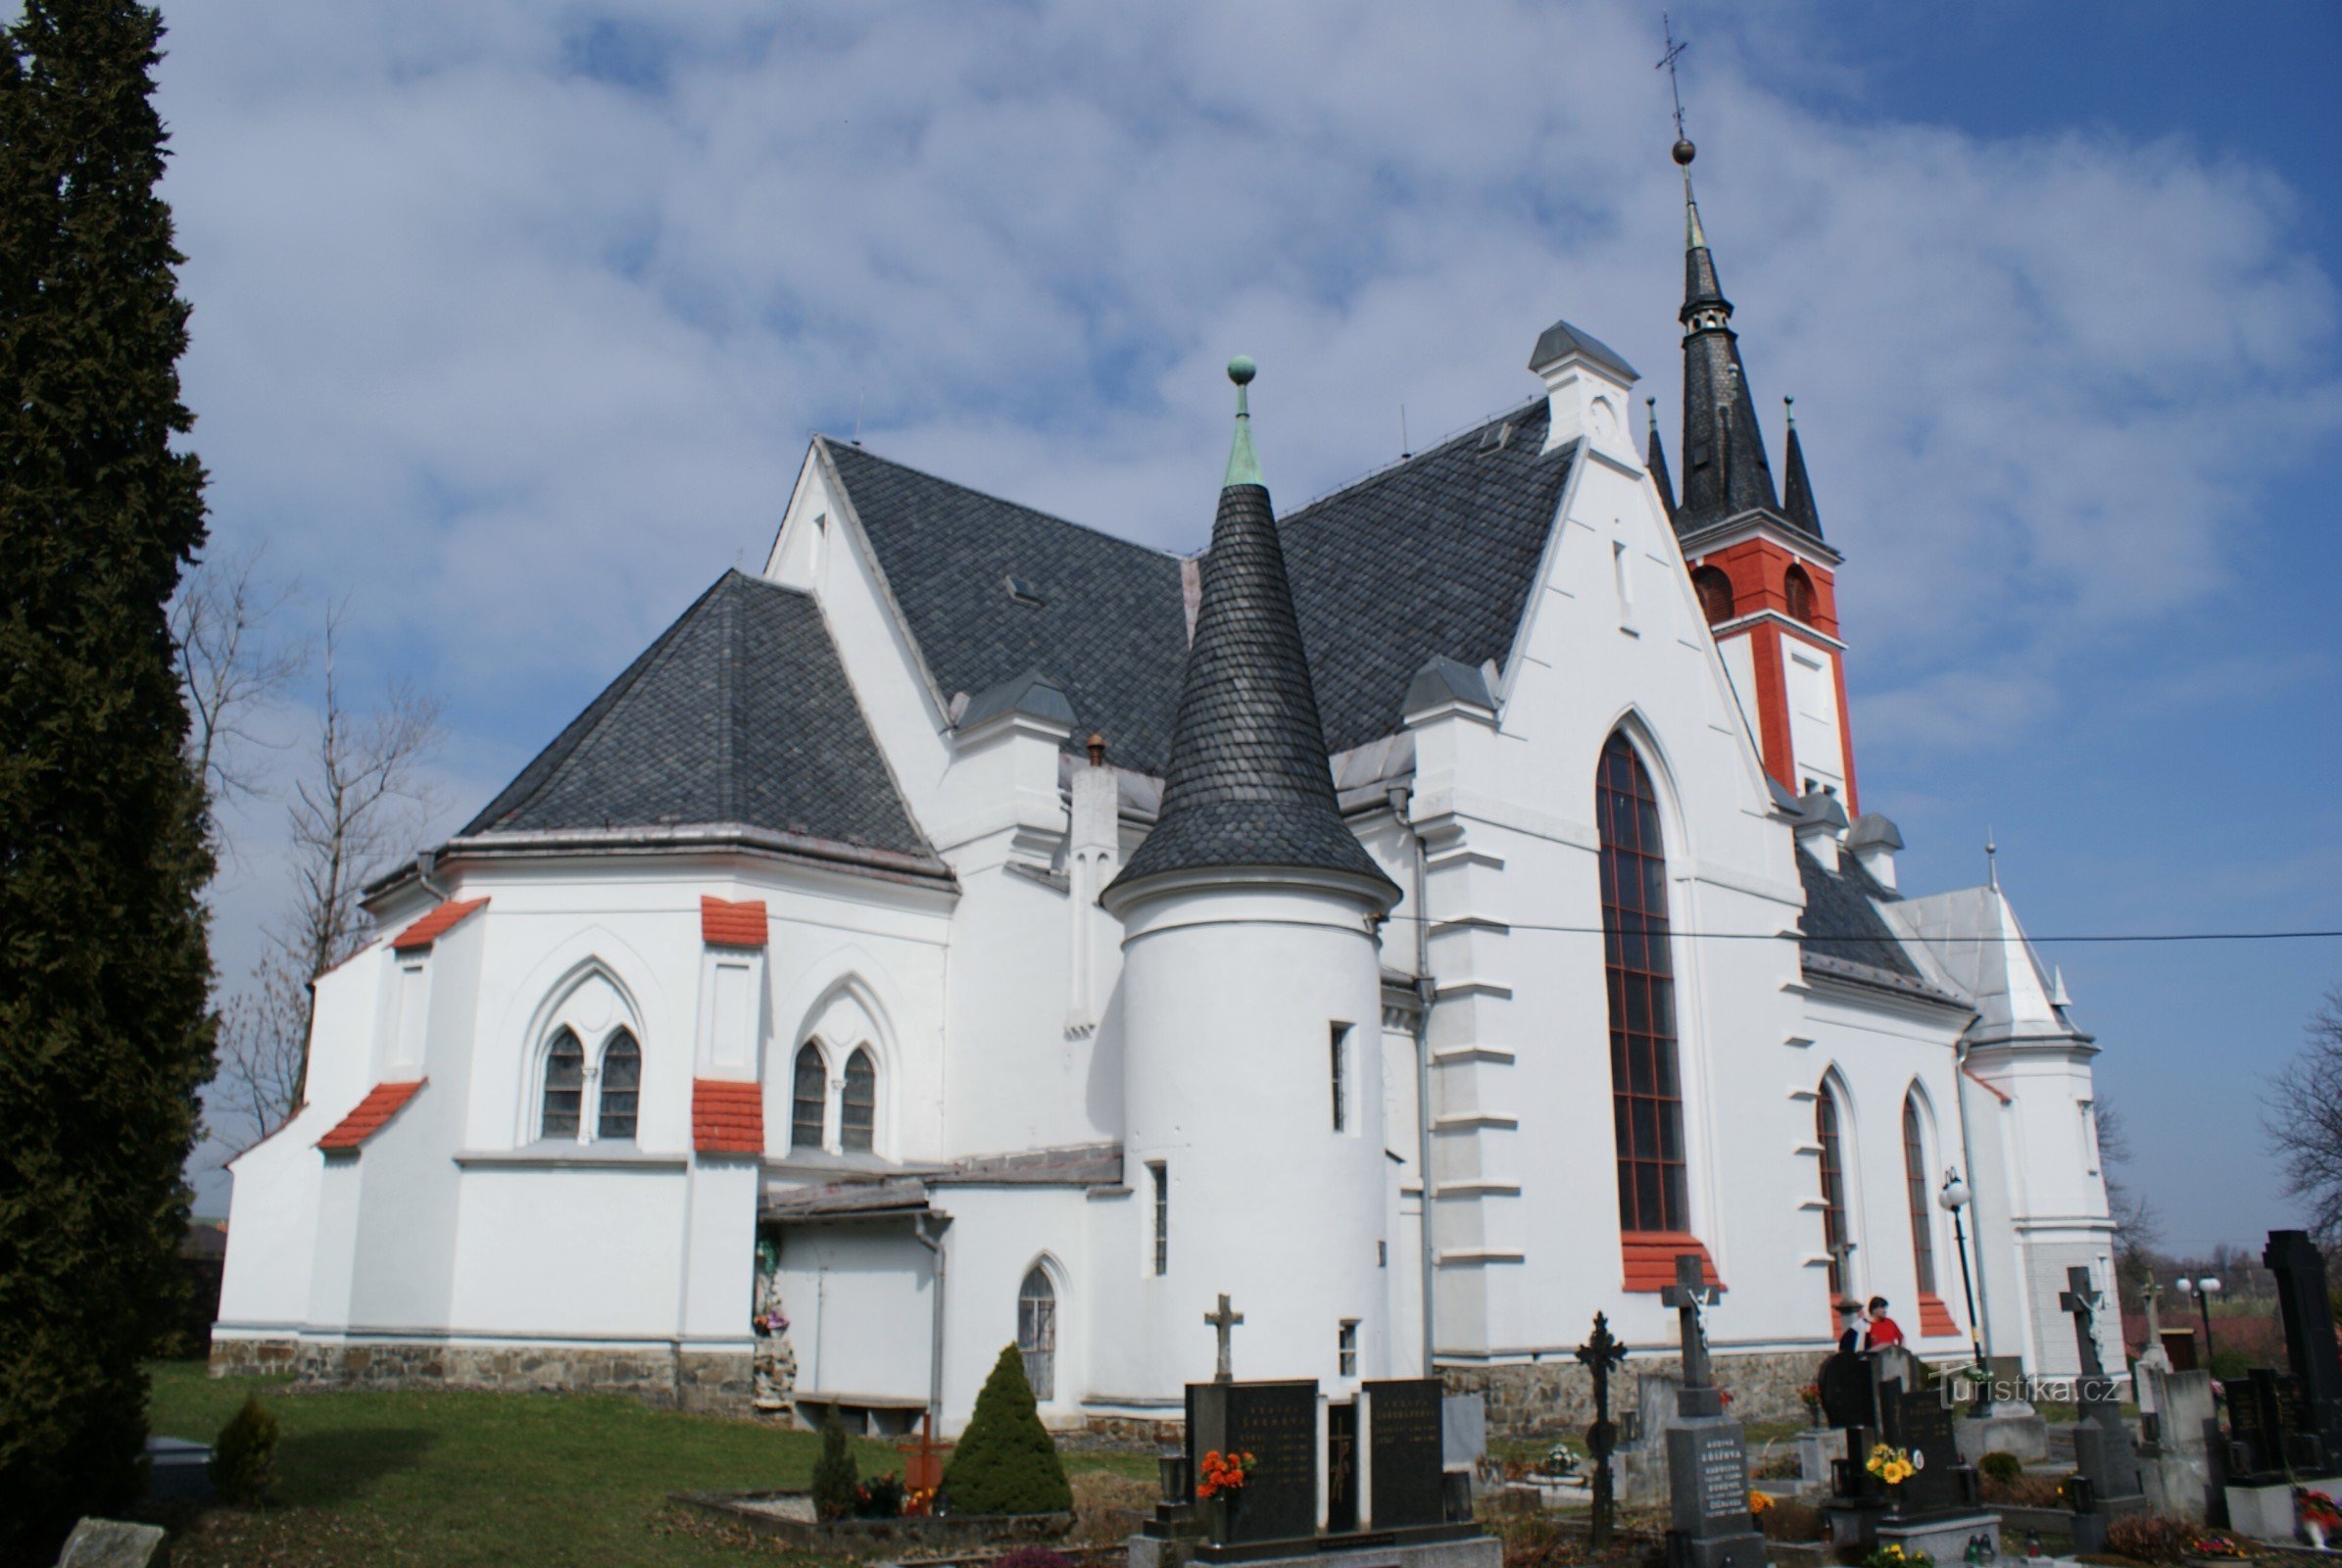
point(739, 714)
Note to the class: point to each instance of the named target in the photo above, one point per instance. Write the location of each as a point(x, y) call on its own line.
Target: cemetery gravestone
point(1342, 1466)
point(1921, 1425)
point(2309, 1349)
point(1405, 1473)
point(1600, 1355)
point(2255, 1429)
point(1707, 1462)
point(1276, 1423)
point(2183, 1473)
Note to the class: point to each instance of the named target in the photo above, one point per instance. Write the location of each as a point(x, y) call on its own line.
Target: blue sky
point(511, 322)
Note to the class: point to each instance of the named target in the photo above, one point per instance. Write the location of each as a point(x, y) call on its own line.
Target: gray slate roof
point(1434, 557)
point(1247, 783)
point(1110, 631)
point(739, 714)
point(1842, 934)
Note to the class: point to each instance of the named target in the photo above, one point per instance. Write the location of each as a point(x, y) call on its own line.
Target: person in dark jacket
point(1849, 1334)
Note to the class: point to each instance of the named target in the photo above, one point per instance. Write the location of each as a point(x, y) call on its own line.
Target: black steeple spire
point(1797, 491)
point(1247, 786)
point(1725, 470)
point(1656, 459)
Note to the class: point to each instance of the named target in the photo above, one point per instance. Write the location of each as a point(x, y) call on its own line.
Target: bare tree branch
point(229, 664)
point(2301, 1113)
point(358, 806)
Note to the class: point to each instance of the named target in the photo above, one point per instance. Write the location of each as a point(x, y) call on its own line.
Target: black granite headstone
point(1403, 1444)
point(1276, 1423)
point(1919, 1424)
point(2256, 1427)
point(1847, 1398)
point(1714, 1496)
point(2316, 1363)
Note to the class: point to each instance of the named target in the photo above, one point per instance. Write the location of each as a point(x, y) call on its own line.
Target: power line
point(1898, 941)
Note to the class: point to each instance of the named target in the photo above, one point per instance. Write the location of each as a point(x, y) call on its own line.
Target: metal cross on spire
point(1667, 63)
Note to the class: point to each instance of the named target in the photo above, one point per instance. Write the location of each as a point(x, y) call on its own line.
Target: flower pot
point(2316, 1531)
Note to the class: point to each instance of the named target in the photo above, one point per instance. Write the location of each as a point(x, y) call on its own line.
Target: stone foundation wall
point(1546, 1398)
point(690, 1380)
point(1168, 1433)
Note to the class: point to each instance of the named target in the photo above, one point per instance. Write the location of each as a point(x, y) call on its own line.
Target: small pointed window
point(1037, 1332)
point(1797, 591)
point(622, 1087)
point(1714, 593)
point(808, 1100)
point(858, 1113)
point(565, 1087)
point(1915, 1191)
point(1834, 1191)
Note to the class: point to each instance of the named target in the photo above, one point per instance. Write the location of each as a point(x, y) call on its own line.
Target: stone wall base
point(719, 1381)
point(1548, 1398)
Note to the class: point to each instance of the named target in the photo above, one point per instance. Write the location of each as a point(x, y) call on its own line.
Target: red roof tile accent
point(1651, 1258)
point(732, 925)
point(1934, 1318)
point(431, 927)
point(381, 1102)
point(727, 1117)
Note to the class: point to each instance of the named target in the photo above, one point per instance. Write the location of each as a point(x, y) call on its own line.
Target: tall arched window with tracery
point(1646, 1084)
point(808, 1102)
point(1914, 1185)
point(1037, 1332)
point(620, 1086)
point(565, 1087)
point(857, 1109)
point(1833, 1190)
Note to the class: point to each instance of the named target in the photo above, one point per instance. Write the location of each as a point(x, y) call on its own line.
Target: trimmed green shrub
point(1005, 1461)
point(2000, 1466)
point(880, 1498)
point(836, 1482)
point(244, 1454)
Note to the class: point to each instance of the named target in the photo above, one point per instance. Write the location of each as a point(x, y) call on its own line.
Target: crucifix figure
point(1222, 1321)
point(1687, 1295)
point(2080, 1297)
point(1600, 1354)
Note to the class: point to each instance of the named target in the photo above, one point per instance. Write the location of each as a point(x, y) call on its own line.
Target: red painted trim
point(733, 925)
point(381, 1102)
point(1772, 706)
point(1969, 1074)
point(1936, 1319)
point(1650, 1259)
point(431, 927)
point(1845, 735)
point(727, 1117)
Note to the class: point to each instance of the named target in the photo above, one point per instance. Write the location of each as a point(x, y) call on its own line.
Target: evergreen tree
point(834, 1474)
point(105, 1038)
point(1005, 1461)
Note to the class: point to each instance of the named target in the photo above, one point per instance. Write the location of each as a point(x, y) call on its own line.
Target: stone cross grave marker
point(1600, 1355)
point(1222, 1321)
point(2102, 1448)
point(1687, 1295)
point(1707, 1461)
point(2308, 1319)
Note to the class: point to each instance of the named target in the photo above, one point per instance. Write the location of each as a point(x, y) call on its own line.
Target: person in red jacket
point(1883, 1329)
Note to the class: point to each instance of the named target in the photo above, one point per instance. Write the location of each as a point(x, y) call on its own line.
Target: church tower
point(1251, 999)
point(1767, 581)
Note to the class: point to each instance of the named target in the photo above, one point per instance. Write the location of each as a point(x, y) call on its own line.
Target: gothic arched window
point(565, 1087)
point(1714, 593)
point(1914, 1183)
point(621, 1086)
point(1037, 1332)
point(857, 1111)
point(808, 1100)
point(1834, 1191)
point(1797, 589)
point(1645, 1088)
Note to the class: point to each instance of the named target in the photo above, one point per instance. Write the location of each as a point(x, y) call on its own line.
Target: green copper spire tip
point(1243, 465)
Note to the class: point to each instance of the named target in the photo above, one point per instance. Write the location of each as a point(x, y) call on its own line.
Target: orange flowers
point(1221, 1472)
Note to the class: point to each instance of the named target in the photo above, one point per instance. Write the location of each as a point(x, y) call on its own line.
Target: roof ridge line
point(1442, 444)
point(731, 634)
point(1005, 501)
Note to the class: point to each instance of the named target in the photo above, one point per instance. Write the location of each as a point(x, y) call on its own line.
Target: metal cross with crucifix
point(1687, 1295)
point(2080, 1299)
point(1223, 1320)
point(1600, 1354)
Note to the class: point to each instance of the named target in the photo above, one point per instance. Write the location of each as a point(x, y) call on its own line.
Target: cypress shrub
point(105, 975)
point(835, 1479)
point(244, 1454)
point(1006, 1461)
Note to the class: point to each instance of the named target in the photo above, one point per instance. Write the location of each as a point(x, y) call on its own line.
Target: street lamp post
point(2202, 1290)
point(1954, 1197)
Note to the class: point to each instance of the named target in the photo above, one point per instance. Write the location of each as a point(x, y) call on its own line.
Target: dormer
point(1589, 389)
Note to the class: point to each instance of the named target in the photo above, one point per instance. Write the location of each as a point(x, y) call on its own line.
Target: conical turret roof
point(1797, 491)
point(1247, 787)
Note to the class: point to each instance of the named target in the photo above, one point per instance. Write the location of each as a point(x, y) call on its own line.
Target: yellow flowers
point(1891, 1465)
point(1759, 1501)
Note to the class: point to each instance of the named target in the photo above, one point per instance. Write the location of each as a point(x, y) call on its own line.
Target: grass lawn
point(457, 1478)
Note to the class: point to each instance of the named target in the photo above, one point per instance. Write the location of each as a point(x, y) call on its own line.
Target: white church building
point(1419, 916)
